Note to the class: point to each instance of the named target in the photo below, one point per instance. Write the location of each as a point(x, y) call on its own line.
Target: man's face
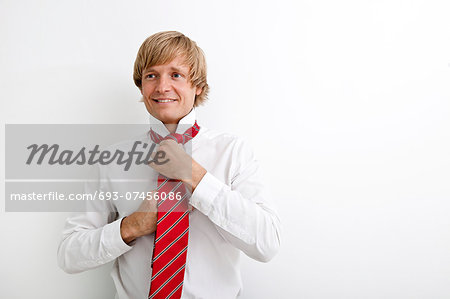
point(168, 94)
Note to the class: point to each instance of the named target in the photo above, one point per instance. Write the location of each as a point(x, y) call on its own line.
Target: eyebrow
point(172, 68)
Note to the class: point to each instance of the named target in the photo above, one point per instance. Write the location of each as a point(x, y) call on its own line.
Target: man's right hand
point(140, 223)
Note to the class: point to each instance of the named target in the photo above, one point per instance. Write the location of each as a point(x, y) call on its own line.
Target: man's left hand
point(180, 166)
point(179, 163)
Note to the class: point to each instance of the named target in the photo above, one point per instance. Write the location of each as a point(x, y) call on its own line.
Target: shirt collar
point(185, 123)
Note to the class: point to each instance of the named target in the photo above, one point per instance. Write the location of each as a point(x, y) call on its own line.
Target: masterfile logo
point(64, 167)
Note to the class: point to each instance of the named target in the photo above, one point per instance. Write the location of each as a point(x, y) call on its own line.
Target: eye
point(177, 75)
point(150, 76)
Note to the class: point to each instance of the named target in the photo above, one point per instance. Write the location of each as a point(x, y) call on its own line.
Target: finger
point(150, 203)
point(156, 155)
point(168, 142)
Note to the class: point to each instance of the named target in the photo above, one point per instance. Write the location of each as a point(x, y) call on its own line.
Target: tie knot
point(179, 138)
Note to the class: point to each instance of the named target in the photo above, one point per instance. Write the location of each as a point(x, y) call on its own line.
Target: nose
point(163, 85)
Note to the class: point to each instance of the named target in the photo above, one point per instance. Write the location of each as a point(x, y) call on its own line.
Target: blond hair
point(163, 47)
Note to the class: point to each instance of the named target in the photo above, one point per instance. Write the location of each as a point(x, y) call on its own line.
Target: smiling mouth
point(164, 100)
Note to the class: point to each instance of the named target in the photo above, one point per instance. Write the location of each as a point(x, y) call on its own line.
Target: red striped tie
point(172, 229)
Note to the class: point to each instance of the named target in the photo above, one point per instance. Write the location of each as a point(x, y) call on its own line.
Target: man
point(222, 211)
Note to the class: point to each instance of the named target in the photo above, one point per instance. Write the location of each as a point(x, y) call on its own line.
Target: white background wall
point(346, 103)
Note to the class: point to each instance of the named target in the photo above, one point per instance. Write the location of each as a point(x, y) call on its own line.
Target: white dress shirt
point(231, 215)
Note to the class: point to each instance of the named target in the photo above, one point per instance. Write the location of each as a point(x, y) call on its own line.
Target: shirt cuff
point(205, 193)
point(115, 246)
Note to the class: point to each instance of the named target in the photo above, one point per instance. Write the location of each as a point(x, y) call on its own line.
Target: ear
point(142, 98)
point(198, 91)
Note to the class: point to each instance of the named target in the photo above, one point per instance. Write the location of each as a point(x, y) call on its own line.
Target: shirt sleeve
point(93, 238)
point(241, 211)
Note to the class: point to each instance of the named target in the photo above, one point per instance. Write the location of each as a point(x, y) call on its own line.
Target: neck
point(172, 128)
